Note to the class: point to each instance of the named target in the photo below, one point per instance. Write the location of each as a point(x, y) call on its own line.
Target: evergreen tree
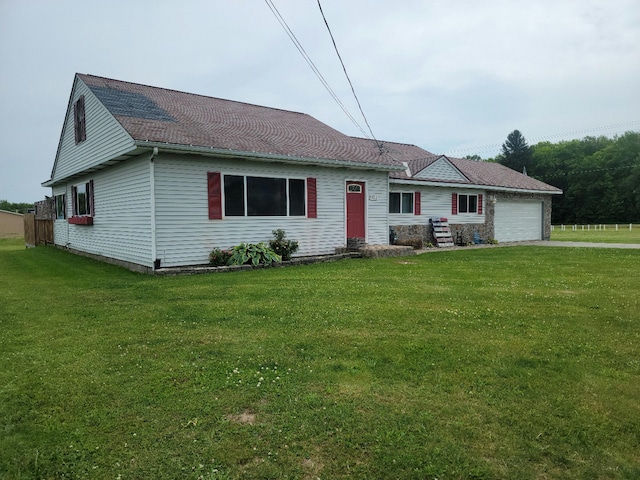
point(516, 154)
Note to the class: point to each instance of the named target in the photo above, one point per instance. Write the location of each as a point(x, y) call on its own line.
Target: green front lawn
point(515, 362)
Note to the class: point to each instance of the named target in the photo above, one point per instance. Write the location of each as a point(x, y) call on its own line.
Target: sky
point(453, 77)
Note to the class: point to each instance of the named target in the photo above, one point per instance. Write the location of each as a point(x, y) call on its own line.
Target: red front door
point(355, 210)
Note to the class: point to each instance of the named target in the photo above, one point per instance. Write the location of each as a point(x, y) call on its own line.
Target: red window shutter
point(312, 201)
point(92, 211)
point(76, 120)
point(74, 201)
point(479, 204)
point(454, 204)
point(79, 120)
point(418, 203)
point(214, 185)
point(83, 124)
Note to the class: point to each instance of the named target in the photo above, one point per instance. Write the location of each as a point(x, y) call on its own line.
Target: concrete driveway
point(538, 243)
point(551, 243)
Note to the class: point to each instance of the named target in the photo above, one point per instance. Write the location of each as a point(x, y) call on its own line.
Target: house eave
point(126, 155)
point(265, 157)
point(474, 186)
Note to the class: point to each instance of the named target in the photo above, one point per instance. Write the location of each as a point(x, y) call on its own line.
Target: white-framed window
point(401, 202)
point(467, 203)
point(82, 199)
point(264, 196)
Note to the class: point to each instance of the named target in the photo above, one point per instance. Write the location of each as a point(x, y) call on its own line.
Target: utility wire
point(488, 148)
point(380, 146)
point(314, 68)
point(566, 173)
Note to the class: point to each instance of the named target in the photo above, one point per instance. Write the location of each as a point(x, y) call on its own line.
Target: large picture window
point(401, 202)
point(264, 196)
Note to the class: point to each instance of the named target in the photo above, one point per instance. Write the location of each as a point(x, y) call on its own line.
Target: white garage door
point(518, 220)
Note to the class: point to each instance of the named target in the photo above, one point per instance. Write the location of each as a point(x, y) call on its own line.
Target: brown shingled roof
point(495, 174)
point(479, 173)
point(158, 115)
point(151, 114)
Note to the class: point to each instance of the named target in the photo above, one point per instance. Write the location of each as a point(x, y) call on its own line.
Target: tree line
point(599, 176)
point(15, 207)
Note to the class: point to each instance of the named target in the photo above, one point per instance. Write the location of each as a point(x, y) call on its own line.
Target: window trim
point(307, 210)
point(60, 203)
point(85, 218)
point(461, 203)
point(401, 203)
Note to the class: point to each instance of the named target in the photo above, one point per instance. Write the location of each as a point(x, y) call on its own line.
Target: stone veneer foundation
point(463, 233)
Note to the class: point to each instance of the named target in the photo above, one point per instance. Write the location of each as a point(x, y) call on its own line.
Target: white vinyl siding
point(185, 235)
point(518, 220)
point(436, 202)
point(443, 170)
point(122, 219)
point(105, 137)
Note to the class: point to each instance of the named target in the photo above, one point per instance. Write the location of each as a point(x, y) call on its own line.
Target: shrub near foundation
point(284, 248)
point(219, 258)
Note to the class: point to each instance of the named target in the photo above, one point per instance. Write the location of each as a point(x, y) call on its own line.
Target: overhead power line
point(487, 148)
point(313, 66)
point(347, 75)
point(566, 173)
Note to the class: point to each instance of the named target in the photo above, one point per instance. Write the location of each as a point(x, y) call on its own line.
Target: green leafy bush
point(284, 248)
point(219, 258)
point(253, 254)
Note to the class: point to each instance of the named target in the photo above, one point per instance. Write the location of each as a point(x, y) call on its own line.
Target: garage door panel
point(517, 221)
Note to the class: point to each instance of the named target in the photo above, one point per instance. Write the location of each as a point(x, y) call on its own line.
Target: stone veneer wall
point(463, 233)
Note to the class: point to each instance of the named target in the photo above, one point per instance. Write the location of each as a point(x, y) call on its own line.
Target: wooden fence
point(37, 231)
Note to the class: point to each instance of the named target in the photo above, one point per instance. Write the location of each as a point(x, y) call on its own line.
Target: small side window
point(61, 206)
point(401, 202)
point(467, 203)
point(82, 198)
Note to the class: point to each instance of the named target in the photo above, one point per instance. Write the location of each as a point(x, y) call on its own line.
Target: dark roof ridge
point(182, 92)
point(386, 141)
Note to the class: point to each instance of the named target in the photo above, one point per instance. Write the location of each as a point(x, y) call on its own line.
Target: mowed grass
point(514, 362)
point(606, 235)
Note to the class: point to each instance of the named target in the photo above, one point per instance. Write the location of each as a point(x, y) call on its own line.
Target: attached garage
point(518, 220)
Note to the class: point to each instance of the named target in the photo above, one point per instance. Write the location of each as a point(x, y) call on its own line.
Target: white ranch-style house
point(153, 178)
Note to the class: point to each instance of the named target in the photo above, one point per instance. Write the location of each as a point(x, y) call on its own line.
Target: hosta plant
point(253, 254)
